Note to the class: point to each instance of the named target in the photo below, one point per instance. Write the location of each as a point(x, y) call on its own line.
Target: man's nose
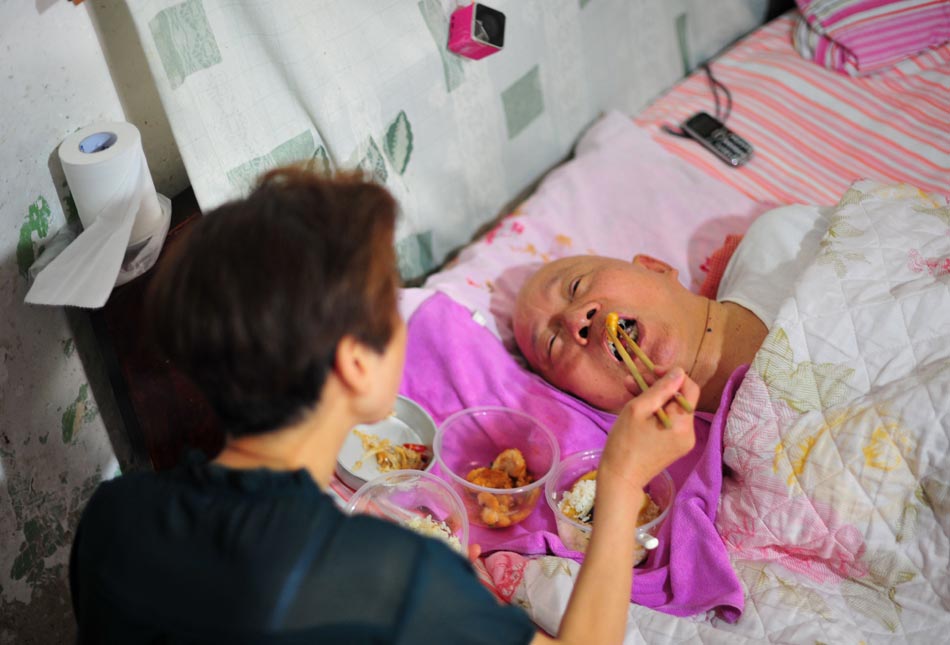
point(578, 322)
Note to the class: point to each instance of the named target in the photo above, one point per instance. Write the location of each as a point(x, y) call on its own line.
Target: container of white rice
point(417, 500)
point(571, 491)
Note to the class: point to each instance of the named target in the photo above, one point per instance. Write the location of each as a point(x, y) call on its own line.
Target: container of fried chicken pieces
point(498, 460)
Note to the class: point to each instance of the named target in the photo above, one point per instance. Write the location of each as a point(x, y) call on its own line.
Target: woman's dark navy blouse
point(207, 554)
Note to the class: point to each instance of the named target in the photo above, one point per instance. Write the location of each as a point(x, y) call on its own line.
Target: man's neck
point(735, 338)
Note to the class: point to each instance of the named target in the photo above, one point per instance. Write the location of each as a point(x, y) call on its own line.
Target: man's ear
point(352, 364)
point(654, 264)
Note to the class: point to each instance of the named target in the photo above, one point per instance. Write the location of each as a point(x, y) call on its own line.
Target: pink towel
point(470, 367)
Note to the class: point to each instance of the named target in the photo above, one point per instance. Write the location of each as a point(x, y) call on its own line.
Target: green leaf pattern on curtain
point(184, 41)
point(300, 148)
point(373, 163)
point(398, 142)
point(415, 254)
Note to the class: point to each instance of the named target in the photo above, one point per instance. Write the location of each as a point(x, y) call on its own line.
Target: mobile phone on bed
point(718, 139)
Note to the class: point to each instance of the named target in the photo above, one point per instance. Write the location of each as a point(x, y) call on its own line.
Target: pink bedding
point(815, 131)
point(632, 189)
point(689, 572)
point(620, 194)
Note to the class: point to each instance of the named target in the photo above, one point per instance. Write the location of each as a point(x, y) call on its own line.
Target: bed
point(834, 517)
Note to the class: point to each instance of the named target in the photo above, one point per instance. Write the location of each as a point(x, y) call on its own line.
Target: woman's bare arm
point(638, 448)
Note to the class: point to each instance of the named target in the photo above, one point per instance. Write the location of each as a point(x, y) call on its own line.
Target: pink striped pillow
point(861, 36)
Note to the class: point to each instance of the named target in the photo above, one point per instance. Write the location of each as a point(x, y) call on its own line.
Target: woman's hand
point(474, 550)
point(639, 447)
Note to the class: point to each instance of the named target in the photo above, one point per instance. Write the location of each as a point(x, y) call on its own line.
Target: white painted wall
point(61, 67)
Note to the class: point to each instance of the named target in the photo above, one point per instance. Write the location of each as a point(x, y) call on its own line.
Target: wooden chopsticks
point(615, 332)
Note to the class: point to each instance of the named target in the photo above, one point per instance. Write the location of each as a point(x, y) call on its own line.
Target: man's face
point(560, 323)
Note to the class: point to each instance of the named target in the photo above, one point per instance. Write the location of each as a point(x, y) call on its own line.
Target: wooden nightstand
point(164, 413)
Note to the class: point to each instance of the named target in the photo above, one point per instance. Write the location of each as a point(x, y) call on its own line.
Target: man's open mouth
point(628, 325)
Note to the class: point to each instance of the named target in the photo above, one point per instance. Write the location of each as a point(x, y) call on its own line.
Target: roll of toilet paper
point(111, 185)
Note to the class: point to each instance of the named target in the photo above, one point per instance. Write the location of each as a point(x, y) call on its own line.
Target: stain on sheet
point(184, 41)
point(805, 386)
point(832, 250)
point(876, 596)
point(940, 212)
point(523, 102)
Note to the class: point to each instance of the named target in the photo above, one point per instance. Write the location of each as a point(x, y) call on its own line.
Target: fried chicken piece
point(489, 478)
point(495, 509)
point(508, 470)
point(512, 462)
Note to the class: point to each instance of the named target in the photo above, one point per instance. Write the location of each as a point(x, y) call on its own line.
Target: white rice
point(433, 528)
point(578, 502)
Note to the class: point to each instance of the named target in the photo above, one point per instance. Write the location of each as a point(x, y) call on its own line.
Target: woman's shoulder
point(388, 542)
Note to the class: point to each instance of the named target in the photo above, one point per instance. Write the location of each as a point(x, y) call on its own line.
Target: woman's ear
point(352, 364)
point(653, 264)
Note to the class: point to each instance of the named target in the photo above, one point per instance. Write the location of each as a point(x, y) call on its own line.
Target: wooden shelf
point(164, 413)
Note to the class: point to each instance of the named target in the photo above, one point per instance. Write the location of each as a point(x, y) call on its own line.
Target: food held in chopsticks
point(391, 456)
point(621, 341)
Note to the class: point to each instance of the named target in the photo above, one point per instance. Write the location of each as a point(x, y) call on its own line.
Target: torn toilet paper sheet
point(75, 278)
point(110, 182)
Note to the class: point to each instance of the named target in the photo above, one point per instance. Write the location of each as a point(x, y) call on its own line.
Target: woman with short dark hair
point(282, 308)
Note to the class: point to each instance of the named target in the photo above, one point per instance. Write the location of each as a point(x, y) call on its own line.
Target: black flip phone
point(718, 139)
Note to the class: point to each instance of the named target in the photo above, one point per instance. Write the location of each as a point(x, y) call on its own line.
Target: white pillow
point(621, 194)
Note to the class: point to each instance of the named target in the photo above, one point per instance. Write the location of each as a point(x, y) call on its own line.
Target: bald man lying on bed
point(560, 312)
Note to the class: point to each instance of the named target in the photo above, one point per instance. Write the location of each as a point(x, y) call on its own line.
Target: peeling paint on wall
point(36, 223)
point(54, 448)
point(41, 562)
point(80, 411)
point(42, 536)
point(5, 354)
point(69, 205)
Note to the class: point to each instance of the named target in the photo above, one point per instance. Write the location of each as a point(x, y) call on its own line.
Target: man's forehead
point(552, 272)
point(562, 265)
point(541, 280)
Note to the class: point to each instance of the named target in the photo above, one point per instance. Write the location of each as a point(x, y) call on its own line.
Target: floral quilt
point(836, 507)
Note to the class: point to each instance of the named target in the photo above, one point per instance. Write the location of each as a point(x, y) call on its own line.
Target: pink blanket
point(470, 367)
